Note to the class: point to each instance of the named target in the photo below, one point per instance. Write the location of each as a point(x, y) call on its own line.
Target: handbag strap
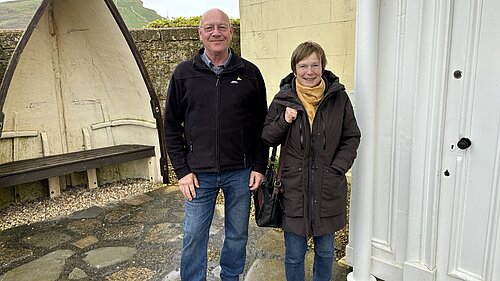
point(277, 179)
point(273, 157)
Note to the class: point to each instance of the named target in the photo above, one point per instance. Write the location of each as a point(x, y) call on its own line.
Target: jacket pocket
point(293, 196)
point(201, 144)
point(232, 146)
point(333, 192)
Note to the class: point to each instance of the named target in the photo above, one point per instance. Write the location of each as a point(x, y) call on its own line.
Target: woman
point(314, 108)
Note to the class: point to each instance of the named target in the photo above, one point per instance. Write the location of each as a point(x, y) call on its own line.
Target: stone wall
point(161, 51)
point(8, 42)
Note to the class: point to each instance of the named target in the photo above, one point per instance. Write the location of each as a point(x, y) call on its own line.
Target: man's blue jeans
point(295, 252)
point(198, 218)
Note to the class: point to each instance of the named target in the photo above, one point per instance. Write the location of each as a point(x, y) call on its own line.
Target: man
point(216, 106)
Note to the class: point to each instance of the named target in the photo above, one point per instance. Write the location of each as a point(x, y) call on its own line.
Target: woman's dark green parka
point(314, 182)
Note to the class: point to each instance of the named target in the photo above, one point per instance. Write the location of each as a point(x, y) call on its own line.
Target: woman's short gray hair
point(304, 50)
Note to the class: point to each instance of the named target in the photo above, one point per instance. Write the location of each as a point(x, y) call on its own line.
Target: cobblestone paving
point(138, 238)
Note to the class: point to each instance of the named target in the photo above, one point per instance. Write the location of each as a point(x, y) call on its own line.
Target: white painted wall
point(428, 224)
point(410, 220)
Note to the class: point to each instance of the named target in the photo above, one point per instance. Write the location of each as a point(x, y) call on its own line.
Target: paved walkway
point(138, 238)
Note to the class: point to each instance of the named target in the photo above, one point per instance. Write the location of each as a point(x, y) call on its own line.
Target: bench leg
point(64, 182)
point(54, 187)
point(92, 178)
point(151, 169)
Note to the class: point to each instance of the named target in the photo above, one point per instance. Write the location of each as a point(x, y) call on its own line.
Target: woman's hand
point(290, 115)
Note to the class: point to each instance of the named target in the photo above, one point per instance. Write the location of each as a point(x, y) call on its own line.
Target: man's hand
point(188, 184)
point(256, 180)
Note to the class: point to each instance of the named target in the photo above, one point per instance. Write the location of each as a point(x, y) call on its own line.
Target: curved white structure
point(76, 81)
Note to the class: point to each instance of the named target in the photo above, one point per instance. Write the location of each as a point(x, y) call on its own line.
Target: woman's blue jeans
point(198, 218)
point(295, 252)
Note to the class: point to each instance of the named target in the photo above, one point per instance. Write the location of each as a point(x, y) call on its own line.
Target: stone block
point(86, 242)
point(107, 256)
point(48, 267)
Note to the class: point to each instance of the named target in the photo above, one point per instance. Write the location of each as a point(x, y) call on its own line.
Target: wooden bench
point(54, 166)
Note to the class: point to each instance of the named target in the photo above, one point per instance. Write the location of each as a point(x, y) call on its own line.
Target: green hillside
point(134, 14)
point(17, 14)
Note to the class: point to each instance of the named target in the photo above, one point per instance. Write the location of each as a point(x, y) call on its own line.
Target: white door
point(468, 245)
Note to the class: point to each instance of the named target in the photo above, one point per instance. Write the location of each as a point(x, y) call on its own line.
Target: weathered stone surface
point(154, 215)
point(177, 216)
point(142, 35)
point(137, 200)
point(107, 256)
point(132, 273)
point(84, 226)
point(117, 216)
point(179, 34)
point(9, 38)
point(343, 263)
point(46, 268)
point(77, 274)
point(49, 239)
point(123, 232)
point(164, 232)
point(89, 213)
point(8, 42)
point(266, 270)
point(160, 254)
point(269, 241)
point(86, 242)
point(10, 255)
point(174, 275)
point(215, 229)
point(219, 210)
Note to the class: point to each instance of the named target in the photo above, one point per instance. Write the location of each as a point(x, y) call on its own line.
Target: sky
point(188, 8)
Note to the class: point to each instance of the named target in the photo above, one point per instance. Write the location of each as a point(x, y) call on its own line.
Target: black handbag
point(267, 198)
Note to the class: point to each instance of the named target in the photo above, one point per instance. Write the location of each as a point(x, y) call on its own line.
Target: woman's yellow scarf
point(310, 98)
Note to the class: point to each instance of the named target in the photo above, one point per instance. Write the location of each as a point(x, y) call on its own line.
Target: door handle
point(464, 143)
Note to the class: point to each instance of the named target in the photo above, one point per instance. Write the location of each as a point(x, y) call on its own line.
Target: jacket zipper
point(244, 148)
point(324, 130)
point(312, 202)
point(217, 124)
point(190, 132)
point(301, 136)
point(314, 167)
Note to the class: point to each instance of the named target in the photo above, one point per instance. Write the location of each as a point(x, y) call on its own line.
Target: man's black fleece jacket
point(213, 123)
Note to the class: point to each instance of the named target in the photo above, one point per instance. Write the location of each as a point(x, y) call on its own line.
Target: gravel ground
point(71, 200)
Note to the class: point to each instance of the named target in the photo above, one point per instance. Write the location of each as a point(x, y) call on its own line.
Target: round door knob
point(464, 143)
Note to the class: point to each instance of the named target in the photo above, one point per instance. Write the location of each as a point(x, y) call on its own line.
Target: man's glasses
point(209, 28)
